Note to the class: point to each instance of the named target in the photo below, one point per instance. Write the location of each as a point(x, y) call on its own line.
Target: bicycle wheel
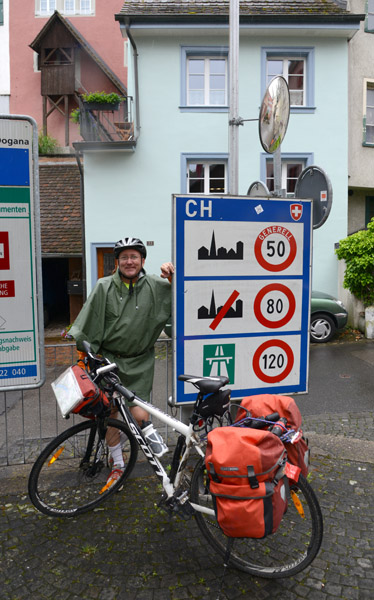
point(284, 553)
point(69, 476)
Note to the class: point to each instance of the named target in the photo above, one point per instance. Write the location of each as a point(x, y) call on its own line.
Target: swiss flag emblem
point(296, 211)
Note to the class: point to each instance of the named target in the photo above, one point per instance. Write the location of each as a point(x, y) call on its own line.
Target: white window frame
point(285, 74)
point(205, 53)
point(60, 5)
point(292, 53)
point(206, 160)
point(304, 159)
point(368, 84)
point(206, 90)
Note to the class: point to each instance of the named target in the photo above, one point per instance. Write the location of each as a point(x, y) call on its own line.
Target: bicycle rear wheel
point(70, 475)
point(284, 553)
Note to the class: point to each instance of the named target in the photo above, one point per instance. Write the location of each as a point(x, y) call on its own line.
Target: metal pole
point(234, 98)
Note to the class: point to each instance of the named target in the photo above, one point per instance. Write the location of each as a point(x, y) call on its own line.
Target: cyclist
point(122, 319)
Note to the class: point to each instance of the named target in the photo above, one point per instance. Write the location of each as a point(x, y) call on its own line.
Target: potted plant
point(102, 100)
point(358, 252)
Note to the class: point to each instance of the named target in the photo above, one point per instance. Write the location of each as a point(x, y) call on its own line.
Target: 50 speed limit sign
point(242, 292)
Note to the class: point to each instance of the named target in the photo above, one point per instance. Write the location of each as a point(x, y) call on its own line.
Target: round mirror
point(314, 183)
point(274, 114)
point(258, 189)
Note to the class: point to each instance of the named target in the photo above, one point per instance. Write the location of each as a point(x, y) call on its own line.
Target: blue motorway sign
point(242, 292)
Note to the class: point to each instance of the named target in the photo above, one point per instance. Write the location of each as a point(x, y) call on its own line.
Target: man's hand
point(167, 270)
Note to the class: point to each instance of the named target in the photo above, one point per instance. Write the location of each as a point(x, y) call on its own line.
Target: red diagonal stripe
point(216, 321)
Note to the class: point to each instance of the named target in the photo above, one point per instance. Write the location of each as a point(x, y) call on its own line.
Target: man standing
point(124, 315)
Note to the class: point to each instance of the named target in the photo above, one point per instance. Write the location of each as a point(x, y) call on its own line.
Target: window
point(65, 7)
point(204, 79)
point(1, 13)
point(47, 6)
point(69, 6)
point(204, 174)
point(369, 21)
point(292, 166)
point(369, 114)
point(296, 65)
point(294, 73)
point(85, 7)
point(206, 178)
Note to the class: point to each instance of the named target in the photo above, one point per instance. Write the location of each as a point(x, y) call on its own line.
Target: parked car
point(327, 315)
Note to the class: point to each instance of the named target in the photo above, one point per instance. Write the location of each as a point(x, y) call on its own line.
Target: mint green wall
point(130, 193)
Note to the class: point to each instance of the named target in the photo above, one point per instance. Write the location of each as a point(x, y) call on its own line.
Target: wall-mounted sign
point(21, 365)
point(242, 292)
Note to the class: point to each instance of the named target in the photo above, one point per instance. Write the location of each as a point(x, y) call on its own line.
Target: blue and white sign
point(21, 352)
point(242, 292)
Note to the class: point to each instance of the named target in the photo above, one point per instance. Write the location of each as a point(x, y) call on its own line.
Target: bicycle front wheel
point(70, 475)
point(284, 553)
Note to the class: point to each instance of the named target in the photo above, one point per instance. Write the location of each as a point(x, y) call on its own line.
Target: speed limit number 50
point(275, 248)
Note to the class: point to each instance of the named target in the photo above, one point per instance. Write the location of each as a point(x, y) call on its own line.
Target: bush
point(358, 252)
point(74, 115)
point(47, 144)
point(102, 98)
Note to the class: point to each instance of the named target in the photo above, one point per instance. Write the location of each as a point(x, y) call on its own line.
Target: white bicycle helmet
point(129, 242)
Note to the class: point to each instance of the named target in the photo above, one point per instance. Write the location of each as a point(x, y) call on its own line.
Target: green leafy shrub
point(358, 252)
point(102, 98)
point(47, 144)
point(74, 115)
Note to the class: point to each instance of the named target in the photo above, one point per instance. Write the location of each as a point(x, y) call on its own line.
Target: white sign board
point(20, 362)
point(242, 292)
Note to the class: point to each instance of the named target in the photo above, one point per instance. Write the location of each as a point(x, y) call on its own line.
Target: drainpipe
point(136, 78)
point(84, 280)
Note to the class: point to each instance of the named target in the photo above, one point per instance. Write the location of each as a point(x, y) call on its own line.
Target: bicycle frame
point(191, 440)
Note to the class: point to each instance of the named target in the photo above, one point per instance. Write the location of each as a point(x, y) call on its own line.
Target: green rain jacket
point(124, 327)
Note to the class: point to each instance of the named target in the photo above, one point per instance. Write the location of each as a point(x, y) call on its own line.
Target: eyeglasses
point(132, 257)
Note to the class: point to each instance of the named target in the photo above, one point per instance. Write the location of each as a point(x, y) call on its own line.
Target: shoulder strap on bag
point(253, 482)
point(213, 474)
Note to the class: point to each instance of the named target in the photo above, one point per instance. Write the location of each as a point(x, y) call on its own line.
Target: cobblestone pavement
point(130, 550)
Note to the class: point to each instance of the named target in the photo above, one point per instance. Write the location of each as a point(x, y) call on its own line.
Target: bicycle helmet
point(129, 242)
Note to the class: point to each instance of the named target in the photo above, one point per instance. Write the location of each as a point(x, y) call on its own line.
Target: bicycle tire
point(61, 484)
point(284, 553)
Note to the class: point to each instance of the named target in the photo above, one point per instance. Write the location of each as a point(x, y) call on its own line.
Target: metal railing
point(29, 419)
point(111, 125)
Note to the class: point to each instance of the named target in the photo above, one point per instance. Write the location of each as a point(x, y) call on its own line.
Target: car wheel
point(322, 328)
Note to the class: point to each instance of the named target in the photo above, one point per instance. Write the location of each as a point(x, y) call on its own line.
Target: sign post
point(242, 292)
point(21, 324)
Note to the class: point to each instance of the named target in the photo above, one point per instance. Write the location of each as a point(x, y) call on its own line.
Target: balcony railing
point(107, 123)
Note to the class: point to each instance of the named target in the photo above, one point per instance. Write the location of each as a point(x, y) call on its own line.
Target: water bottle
point(154, 439)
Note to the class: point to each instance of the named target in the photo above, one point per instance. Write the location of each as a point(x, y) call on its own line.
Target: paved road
point(129, 550)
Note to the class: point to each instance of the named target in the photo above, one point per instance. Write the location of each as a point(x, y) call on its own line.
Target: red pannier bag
point(265, 404)
point(77, 393)
point(246, 469)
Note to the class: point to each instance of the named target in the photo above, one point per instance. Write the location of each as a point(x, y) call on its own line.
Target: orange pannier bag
point(246, 469)
point(264, 404)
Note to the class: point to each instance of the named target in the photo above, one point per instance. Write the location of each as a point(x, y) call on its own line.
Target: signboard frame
point(241, 212)
point(33, 251)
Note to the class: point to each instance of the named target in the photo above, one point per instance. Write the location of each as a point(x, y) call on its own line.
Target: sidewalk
point(129, 550)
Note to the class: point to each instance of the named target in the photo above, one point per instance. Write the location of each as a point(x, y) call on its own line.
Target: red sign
point(282, 289)
point(7, 289)
point(296, 211)
point(270, 361)
point(266, 241)
point(4, 250)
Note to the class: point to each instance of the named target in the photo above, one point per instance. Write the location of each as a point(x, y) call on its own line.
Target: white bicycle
point(70, 475)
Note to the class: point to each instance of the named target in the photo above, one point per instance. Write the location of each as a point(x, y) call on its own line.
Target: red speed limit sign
point(275, 248)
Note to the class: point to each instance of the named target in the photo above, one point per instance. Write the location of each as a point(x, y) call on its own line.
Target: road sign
point(21, 351)
point(241, 292)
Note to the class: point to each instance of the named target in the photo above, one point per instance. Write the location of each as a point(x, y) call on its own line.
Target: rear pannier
point(246, 472)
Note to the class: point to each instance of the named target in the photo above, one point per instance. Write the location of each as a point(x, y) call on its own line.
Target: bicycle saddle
point(206, 385)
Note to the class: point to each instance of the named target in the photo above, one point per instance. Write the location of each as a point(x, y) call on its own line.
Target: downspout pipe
point(84, 279)
point(136, 75)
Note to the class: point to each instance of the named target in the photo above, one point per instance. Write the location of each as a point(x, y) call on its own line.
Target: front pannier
point(77, 393)
point(246, 469)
